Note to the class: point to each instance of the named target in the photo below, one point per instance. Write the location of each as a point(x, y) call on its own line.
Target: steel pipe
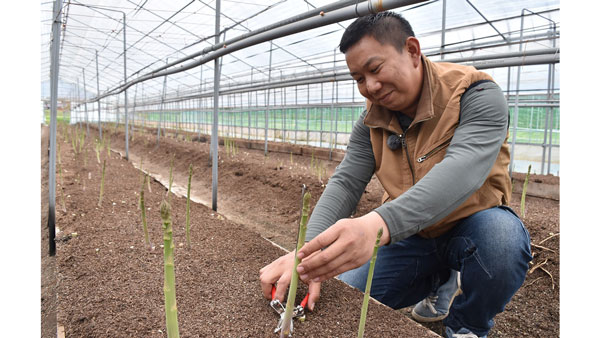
point(214, 137)
point(54, 68)
point(361, 9)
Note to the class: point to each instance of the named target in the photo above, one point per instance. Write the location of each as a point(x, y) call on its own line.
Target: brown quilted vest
point(427, 139)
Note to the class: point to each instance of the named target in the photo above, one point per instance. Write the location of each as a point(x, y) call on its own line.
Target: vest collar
point(381, 117)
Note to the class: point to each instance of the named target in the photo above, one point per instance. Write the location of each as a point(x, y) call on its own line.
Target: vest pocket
point(434, 151)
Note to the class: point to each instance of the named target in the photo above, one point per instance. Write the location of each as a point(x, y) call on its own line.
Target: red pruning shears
point(280, 309)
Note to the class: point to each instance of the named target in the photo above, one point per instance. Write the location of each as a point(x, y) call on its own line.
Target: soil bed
point(109, 284)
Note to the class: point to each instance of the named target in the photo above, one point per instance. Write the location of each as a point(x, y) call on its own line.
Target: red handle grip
point(304, 301)
point(273, 289)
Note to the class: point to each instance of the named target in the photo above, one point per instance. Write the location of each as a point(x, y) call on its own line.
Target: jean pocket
point(462, 252)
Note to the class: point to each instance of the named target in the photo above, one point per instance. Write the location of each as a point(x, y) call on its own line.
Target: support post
point(87, 124)
point(54, 63)
point(268, 100)
point(214, 137)
point(308, 114)
point(321, 109)
point(160, 113)
point(516, 111)
point(442, 47)
point(200, 101)
point(250, 102)
point(78, 102)
point(125, 81)
point(296, 116)
point(98, 87)
point(331, 145)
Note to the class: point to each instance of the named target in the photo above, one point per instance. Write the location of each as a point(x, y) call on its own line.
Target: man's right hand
point(279, 272)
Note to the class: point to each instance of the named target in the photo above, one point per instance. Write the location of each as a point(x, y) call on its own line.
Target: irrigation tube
point(217, 46)
point(501, 56)
point(532, 38)
point(342, 73)
point(519, 59)
point(361, 9)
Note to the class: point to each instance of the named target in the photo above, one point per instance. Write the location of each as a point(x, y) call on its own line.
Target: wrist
point(375, 222)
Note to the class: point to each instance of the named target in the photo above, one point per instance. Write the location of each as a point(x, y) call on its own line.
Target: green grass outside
point(530, 125)
point(61, 116)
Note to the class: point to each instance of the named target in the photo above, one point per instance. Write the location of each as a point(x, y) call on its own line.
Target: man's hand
point(349, 245)
point(280, 272)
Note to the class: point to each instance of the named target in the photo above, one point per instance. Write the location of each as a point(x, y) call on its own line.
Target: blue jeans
point(490, 248)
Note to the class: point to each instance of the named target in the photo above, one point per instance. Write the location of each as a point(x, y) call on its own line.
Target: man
point(435, 135)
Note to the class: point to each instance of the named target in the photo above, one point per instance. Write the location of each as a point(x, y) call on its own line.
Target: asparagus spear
point(363, 311)
point(143, 209)
point(187, 208)
point(102, 183)
point(169, 279)
point(286, 326)
point(525, 191)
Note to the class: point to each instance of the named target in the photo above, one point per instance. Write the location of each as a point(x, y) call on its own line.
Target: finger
point(341, 269)
point(318, 274)
point(266, 282)
point(282, 285)
point(275, 271)
point(322, 240)
point(268, 275)
point(321, 259)
point(314, 290)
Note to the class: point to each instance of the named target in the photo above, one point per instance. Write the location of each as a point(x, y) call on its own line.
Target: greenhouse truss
point(271, 71)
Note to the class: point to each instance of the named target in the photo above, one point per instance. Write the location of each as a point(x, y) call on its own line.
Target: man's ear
point(413, 47)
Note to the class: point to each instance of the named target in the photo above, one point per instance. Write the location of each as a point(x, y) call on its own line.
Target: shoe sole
point(422, 319)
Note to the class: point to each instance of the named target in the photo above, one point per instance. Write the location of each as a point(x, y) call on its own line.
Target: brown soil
point(109, 283)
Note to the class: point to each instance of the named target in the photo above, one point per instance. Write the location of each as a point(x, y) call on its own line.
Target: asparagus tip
point(165, 210)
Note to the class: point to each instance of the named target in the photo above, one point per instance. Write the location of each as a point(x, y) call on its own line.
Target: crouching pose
point(435, 134)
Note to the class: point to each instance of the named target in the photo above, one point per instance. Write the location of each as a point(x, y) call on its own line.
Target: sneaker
point(436, 306)
point(462, 333)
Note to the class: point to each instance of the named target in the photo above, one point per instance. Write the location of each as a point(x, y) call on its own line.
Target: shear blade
point(280, 323)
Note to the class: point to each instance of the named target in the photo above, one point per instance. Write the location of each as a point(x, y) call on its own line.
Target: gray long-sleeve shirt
point(466, 164)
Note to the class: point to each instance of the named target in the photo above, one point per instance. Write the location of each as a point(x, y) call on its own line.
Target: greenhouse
point(189, 132)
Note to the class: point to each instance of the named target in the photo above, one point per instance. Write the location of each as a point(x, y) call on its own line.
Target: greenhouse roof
point(158, 32)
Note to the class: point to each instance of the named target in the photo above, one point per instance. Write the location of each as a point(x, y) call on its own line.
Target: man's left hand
point(349, 244)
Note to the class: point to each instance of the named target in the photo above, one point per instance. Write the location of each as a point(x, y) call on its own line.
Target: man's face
point(385, 76)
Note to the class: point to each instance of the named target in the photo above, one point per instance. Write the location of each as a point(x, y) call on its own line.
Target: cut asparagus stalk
point(524, 193)
point(363, 311)
point(286, 326)
point(169, 278)
point(102, 183)
point(187, 208)
point(142, 180)
point(143, 209)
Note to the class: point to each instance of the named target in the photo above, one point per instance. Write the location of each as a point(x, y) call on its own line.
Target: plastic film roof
point(161, 31)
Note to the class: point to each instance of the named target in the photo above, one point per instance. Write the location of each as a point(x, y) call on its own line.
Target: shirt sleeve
point(347, 184)
point(463, 170)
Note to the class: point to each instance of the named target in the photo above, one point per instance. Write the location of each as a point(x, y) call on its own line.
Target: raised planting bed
point(110, 284)
point(256, 193)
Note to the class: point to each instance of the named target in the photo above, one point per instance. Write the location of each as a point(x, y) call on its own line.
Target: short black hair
point(385, 27)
